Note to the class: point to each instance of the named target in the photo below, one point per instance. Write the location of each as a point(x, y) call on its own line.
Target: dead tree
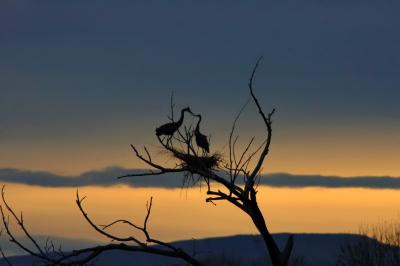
point(237, 185)
point(212, 168)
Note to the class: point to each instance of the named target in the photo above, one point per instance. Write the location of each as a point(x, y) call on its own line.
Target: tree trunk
point(277, 257)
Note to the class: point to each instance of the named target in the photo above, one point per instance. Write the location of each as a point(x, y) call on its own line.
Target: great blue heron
point(170, 128)
point(201, 140)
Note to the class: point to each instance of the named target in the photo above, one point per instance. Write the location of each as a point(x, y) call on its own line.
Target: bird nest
point(203, 163)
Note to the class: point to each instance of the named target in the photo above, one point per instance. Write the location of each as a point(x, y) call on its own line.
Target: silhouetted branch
point(172, 106)
point(5, 257)
point(162, 170)
point(232, 173)
point(79, 202)
point(143, 247)
point(2, 252)
point(237, 201)
point(20, 222)
point(104, 227)
point(50, 256)
point(268, 124)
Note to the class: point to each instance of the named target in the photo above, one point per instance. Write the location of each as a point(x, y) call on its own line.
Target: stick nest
point(204, 163)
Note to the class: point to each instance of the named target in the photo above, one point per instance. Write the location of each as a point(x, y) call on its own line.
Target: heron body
point(201, 140)
point(170, 128)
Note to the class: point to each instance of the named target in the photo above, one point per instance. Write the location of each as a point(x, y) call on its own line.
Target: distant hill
point(66, 243)
point(314, 249)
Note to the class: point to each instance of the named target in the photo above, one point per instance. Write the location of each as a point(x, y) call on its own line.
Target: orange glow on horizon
point(341, 151)
point(183, 214)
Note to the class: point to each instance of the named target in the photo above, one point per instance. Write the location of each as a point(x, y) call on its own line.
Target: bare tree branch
point(5, 257)
point(162, 170)
point(49, 256)
point(231, 146)
point(20, 223)
point(2, 252)
point(268, 124)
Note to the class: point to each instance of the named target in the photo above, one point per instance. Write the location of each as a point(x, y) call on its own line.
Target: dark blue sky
point(75, 71)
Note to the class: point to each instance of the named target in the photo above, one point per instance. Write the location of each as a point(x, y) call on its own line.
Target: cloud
point(107, 177)
point(299, 181)
point(104, 177)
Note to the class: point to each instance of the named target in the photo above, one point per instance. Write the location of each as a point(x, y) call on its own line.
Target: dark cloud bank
point(107, 177)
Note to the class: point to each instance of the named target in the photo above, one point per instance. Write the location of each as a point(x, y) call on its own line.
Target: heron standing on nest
point(170, 128)
point(201, 140)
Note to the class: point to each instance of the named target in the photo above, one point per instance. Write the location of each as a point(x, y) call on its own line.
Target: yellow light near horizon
point(183, 214)
point(343, 151)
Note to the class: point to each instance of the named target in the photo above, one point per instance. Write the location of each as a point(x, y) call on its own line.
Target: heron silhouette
point(201, 140)
point(170, 128)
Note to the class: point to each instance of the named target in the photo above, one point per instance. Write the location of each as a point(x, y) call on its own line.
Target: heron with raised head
point(201, 140)
point(170, 128)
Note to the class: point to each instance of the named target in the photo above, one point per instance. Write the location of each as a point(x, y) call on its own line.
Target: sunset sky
point(82, 80)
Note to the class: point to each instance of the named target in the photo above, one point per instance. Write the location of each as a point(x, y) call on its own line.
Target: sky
point(82, 80)
point(183, 213)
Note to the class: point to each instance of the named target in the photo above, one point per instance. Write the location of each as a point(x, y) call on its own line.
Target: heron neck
point(180, 121)
point(198, 124)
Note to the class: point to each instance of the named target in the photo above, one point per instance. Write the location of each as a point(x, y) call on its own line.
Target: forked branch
point(268, 123)
point(49, 256)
